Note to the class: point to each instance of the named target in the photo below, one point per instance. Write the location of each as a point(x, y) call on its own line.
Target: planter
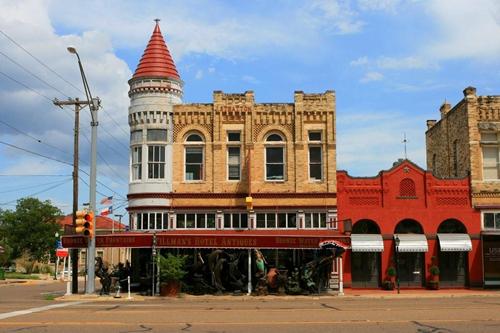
point(433, 284)
point(170, 288)
point(388, 285)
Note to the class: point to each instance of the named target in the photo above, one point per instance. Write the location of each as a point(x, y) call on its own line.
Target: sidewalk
point(348, 293)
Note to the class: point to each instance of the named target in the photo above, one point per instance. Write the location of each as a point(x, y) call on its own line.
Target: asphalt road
point(239, 314)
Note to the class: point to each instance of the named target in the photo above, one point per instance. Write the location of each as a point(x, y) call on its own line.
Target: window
point(136, 137)
point(196, 221)
point(193, 158)
point(275, 158)
point(233, 163)
point(136, 163)
point(157, 135)
point(276, 220)
point(315, 156)
point(234, 136)
point(156, 162)
point(235, 221)
point(152, 221)
point(315, 220)
point(491, 163)
point(491, 220)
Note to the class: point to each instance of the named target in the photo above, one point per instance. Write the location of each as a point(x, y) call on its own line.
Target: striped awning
point(367, 243)
point(412, 242)
point(454, 242)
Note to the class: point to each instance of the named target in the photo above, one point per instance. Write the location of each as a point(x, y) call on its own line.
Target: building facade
point(466, 141)
point(432, 219)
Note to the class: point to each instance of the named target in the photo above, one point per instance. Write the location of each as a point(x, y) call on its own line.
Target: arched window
point(194, 151)
point(275, 157)
point(451, 226)
point(407, 188)
point(409, 227)
point(365, 227)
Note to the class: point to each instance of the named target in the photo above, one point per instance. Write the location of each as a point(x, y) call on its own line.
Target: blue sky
point(392, 64)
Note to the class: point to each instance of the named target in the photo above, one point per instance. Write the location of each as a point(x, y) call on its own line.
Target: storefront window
point(152, 221)
point(491, 220)
point(276, 220)
point(315, 221)
point(196, 221)
point(235, 221)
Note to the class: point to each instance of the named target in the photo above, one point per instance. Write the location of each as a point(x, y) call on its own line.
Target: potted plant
point(388, 283)
point(433, 282)
point(171, 273)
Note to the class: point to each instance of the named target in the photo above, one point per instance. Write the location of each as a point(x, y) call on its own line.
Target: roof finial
point(405, 141)
point(157, 20)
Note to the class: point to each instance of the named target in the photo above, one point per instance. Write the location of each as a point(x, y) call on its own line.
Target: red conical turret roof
point(156, 60)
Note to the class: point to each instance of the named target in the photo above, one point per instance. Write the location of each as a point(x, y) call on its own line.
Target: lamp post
point(94, 106)
point(396, 251)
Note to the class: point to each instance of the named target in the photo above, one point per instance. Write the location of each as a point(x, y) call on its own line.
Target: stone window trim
point(490, 220)
point(275, 140)
point(194, 143)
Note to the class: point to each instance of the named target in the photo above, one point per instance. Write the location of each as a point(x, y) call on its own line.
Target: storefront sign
point(491, 253)
point(167, 240)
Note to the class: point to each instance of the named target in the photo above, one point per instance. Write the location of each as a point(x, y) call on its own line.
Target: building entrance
point(411, 269)
point(452, 269)
point(365, 269)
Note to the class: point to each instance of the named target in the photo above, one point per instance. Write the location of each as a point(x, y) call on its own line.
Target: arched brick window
point(407, 188)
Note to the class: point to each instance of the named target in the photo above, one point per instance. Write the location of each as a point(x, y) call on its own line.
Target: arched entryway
point(365, 257)
point(410, 253)
point(454, 244)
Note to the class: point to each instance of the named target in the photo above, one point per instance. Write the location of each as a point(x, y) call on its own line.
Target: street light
point(396, 251)
point(94, 106)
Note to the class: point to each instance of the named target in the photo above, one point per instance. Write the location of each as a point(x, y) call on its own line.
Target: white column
point(249, 272)
point(341, 277)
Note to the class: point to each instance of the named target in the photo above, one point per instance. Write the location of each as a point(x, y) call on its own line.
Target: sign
point(62, 253)
point(209, 241)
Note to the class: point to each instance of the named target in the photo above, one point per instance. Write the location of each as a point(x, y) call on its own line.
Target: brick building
point(466, 141)
point(431, 217)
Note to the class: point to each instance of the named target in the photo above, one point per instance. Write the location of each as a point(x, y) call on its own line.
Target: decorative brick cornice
point(219, 195)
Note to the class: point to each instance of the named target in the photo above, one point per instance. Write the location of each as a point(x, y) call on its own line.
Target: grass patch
point(13, 275)
point(49, 297)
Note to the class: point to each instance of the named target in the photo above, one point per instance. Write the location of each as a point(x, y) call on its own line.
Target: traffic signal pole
point(93, 180)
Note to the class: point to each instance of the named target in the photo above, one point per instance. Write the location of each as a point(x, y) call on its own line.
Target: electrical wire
point(39, 61)
point(35, 193)
point(29, 187)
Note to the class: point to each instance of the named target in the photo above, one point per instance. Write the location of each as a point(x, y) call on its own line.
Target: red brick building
point(431, 217)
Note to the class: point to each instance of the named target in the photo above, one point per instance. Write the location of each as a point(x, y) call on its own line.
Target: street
point(244, 314)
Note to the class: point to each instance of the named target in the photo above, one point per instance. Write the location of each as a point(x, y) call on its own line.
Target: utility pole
point(74, 252)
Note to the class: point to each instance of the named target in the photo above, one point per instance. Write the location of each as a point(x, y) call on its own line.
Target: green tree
point(30, 228)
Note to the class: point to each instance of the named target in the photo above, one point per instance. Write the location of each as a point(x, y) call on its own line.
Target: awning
point(454, 242)
point(367, 243)
point(412, 242)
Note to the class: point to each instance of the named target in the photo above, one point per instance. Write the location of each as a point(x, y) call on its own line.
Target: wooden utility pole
point(74, 252)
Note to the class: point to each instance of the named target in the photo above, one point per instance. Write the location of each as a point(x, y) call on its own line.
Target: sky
point(392, 63)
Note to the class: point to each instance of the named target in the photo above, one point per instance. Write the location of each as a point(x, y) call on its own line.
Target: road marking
point(33, 310)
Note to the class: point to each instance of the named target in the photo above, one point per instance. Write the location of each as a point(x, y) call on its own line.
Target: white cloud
point(371, 76)
point(411, 62)
point(382, 5)
point(465, 29)
point(250, 79)
point(360, 61)
point(199, 74)
point(334, 15)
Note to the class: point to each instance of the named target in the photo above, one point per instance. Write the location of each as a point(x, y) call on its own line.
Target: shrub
point(172, 267)
point(391, 271)
point(434, 270)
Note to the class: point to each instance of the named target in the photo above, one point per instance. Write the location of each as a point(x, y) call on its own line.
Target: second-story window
point(315, 156)
point(193, 167)
point(234, 156)
point(156, 162)
point(275, 158)
point(491, 154)
point(136, 163)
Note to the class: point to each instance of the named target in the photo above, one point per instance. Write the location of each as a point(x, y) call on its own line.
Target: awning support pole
point(341, 277)
point(249, 272)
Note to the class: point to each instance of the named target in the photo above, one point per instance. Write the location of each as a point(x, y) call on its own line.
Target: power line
point(28, 187)
point(32, 137)
point(57, 160)
point(33, 74)
point(114, 121)
point(27, 175)
point(27, 87)
point(36, 193)
point(39, 61)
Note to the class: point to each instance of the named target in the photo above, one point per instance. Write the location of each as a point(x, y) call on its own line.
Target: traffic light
point(85, 223)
